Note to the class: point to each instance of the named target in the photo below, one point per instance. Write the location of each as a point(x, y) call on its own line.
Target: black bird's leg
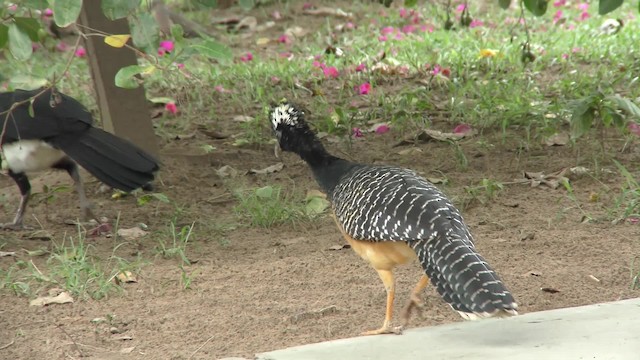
point(22, 181)
point(72, 168)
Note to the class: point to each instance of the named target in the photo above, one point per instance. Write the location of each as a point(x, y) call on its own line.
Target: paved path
point(609, 331)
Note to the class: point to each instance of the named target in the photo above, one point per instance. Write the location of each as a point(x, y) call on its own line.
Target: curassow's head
point(293, 133)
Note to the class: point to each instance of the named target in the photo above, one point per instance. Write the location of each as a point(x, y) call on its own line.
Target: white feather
point(30, 155)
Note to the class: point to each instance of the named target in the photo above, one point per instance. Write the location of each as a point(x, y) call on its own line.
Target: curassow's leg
point(389, 284)
point(25, 190)
point(72, 168)
point(415, 300)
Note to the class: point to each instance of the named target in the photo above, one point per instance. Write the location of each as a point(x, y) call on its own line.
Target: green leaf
point(264, 192)
point(117, 9)
point(247, 4)
point(145, 32)
point(19, 43)
point(410, 3)
point(27, 82)
point(582, 117)
point(316, 205)
point(504, 3)
point(125, 78)
point(30, 26)
point(35, 4)
point(4, 35)
point(627, 105)
point(607, 6)
point(213, 50)
point(537, 7)
point(66, 12)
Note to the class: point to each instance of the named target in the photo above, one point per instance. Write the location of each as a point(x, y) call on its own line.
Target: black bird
point(390, 216)
point(56, 131)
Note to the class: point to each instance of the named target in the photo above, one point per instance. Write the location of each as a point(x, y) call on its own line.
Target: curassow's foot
point(15, 226)
point(414, 302)
point(385, 329)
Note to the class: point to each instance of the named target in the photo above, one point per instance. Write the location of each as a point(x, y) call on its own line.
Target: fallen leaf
point(316, 205)
point(102, 229)
point(242, 118)
point(38, 252)
point(551, 180)
point(315, 193)
point(558, 139)
point(61, 298)
point(339, 247)
point(430, 134)
point(263, 41)
point(7, 253)
point(212, 134)
point(435, 180)
point(268, 170)
point(248, 22)
point(131, 233)
point(594, 278)
point(126, 277)
point(550, 290)
point(296, 32)
point(462, 129)
point(410, 151)
point(227, 171)
point(117, 41)
point(41, 235)
point(127, 350)
point(327, 11)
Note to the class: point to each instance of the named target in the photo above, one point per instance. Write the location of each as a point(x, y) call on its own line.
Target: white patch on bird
point(285, 114)
point(30, 155)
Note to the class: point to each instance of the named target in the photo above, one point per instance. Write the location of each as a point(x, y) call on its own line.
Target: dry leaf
point(558, 139)
point(296, 32)
point(550, 290)
point(315, 193)
point(41, 235)
point(263, 41)
point(248, 22)
point(268, 170)
point(410, 151)
point(552, 180)
point(242, 118)
point(123, 338)
point(594, 278)
point(7, 253)
point(227, 171)
point(131, 233)
point(327, 11)
point(126, 277)
point(127, 350)
point(340, 247)
point(265, 26)
point(430, 134)
point(435, 180)
point(61, 298)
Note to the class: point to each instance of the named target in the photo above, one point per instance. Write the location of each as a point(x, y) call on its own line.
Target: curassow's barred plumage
point(402, 206)
point(382, 204)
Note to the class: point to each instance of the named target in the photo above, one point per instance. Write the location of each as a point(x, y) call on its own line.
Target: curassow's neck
point(327, 169)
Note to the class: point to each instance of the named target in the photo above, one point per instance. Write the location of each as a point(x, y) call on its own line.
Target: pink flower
point(330, 72)
point(382, 128)
point(284, 39)
point(48, 12)
point(571, 27)
point(276, 15)
point(576, 50)
point(307, 6)
point(583, 6)
point(565, 56)
point(349, 26)
point(559, 3)
point(462, 129)
point(399, 36)
point(34, 46)
point(363, 89)
point(425, 28)
point(387, 30)
point(161, 52)
point(12, 7)
point(356, 132)
point(362, 67)
point(475, 23)
point(584, 16)
point(436, 70)
point(408, 29)
point(286, 55)
point(246, 57)
point(275, 80)
point(382, 38)
point(634, 128)
point(179, 65)
point(557, 16)
point(318, 64)
point(167, 45)
point(80, 52)
point(461, 7)
point(403, 13)
point(62, 46)
point(633, 220)
point(171, 108)
point(220, 89)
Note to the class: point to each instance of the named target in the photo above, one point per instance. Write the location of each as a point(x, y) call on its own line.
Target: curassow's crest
point(287, 121)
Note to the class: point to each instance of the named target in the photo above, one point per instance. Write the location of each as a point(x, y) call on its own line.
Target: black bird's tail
point(113, 160)
point(463, 278)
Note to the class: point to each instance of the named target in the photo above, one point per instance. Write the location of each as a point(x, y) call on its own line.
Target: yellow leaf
point(487, 53)
point(148, 70)
point(263, 41)
point(117, 41)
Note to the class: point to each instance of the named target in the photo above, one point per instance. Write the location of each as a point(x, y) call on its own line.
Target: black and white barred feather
point(380, 203)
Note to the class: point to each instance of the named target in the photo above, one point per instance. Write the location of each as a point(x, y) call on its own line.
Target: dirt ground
point(255, 289)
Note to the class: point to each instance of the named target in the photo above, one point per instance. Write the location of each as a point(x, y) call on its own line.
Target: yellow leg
point(415, 300)
point(389, 283)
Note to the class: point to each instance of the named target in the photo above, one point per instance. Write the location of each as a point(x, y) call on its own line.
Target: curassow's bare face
point(287, 121)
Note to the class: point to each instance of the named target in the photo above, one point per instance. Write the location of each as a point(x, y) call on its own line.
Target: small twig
point(9, 344)
point(200, 347)
point(72, 340)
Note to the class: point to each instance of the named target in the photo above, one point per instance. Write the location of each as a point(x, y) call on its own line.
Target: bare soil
point(255, 289)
